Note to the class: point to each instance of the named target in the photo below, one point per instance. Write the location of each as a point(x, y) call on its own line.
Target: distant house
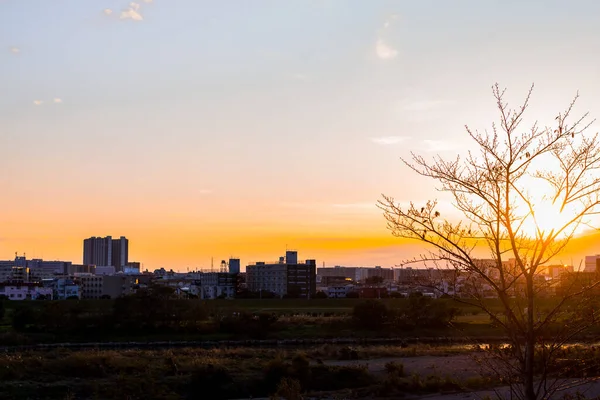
point(338, 291)
point(24, 291)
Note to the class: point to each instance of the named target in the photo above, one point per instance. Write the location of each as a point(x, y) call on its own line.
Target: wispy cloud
point(205, 191)
point(57, 100)
point(426, 105)
point(38, 102)
point(388, 140)
point(14, 50)
point(383, 49)
point(132, 12)
point(107, 11)
point(147, 1)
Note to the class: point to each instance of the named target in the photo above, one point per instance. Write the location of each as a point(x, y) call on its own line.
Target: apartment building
point(288, 276)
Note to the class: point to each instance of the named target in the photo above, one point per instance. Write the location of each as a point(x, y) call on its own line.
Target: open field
point(218, 373)
point(131, 319)
point(326, 372)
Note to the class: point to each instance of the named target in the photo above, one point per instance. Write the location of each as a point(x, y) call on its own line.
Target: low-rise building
point(65, 288)
point(107, 286)
point(24, 291)
point(213, 285)
point(338, 291)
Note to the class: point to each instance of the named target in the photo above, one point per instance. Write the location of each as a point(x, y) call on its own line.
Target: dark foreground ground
point(447, 372)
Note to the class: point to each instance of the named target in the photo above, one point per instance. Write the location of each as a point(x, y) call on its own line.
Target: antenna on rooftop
point(211, 264)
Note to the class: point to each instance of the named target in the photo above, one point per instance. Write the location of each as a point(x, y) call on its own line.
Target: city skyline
point(213, 130)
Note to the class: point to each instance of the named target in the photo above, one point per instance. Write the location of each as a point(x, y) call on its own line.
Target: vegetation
point(223, 373)
point(184, 373)
point(143, 319)
point(522, 195)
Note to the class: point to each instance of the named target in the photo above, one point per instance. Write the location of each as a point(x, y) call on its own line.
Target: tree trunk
point(528, 380)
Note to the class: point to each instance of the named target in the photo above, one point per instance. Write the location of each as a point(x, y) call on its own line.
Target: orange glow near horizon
point(359, 242)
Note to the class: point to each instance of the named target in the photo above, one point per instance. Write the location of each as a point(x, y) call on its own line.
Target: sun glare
point(547, 216)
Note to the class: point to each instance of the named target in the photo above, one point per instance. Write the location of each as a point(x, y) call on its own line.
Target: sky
point(203, 129)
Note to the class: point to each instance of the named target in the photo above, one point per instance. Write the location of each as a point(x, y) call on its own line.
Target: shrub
point(394, 368)
point(423, 312)
point(213, 383)
point(274, 372)
point(371, 314)
point(22, 317)
point(288, 389)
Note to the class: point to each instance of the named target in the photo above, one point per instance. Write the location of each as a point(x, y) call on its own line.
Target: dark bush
point(274, 372)
point(251, 325)
point(371, 314)
point(423, 312)
point(22, 317)
point(212, 383)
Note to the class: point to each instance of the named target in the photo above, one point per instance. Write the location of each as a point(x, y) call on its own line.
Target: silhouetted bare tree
point(521, 197)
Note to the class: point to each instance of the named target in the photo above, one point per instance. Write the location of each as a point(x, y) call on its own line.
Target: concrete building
point(132, 268)
point(105, 270)
point(346, 272)
point(30, 270)
point(80, 269)
point(14, 274)
point(212, 285)
point(91, 286)
point(106, 251)
point(63, 288)
point(96, 287)
point(338, 291)
point(49, 267)
point(387, 274)
point(24, 291)
point(357, 274)
point(288, 276)
point(592, 263)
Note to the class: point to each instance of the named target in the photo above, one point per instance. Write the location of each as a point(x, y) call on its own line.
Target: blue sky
point(164, 116)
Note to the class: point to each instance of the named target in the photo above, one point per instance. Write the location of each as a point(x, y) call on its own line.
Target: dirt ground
point(460, 366)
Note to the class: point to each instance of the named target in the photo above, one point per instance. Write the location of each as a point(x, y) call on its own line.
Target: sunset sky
point(204, 129)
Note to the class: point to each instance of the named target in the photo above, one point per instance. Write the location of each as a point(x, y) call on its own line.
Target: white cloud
point(38, 102)
point(147, 1)
point(384, 51)
point(132, 12)
point(382, 47)
point(387, 140)
point(107, 11)
point(57, 100)
point(15, 50)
